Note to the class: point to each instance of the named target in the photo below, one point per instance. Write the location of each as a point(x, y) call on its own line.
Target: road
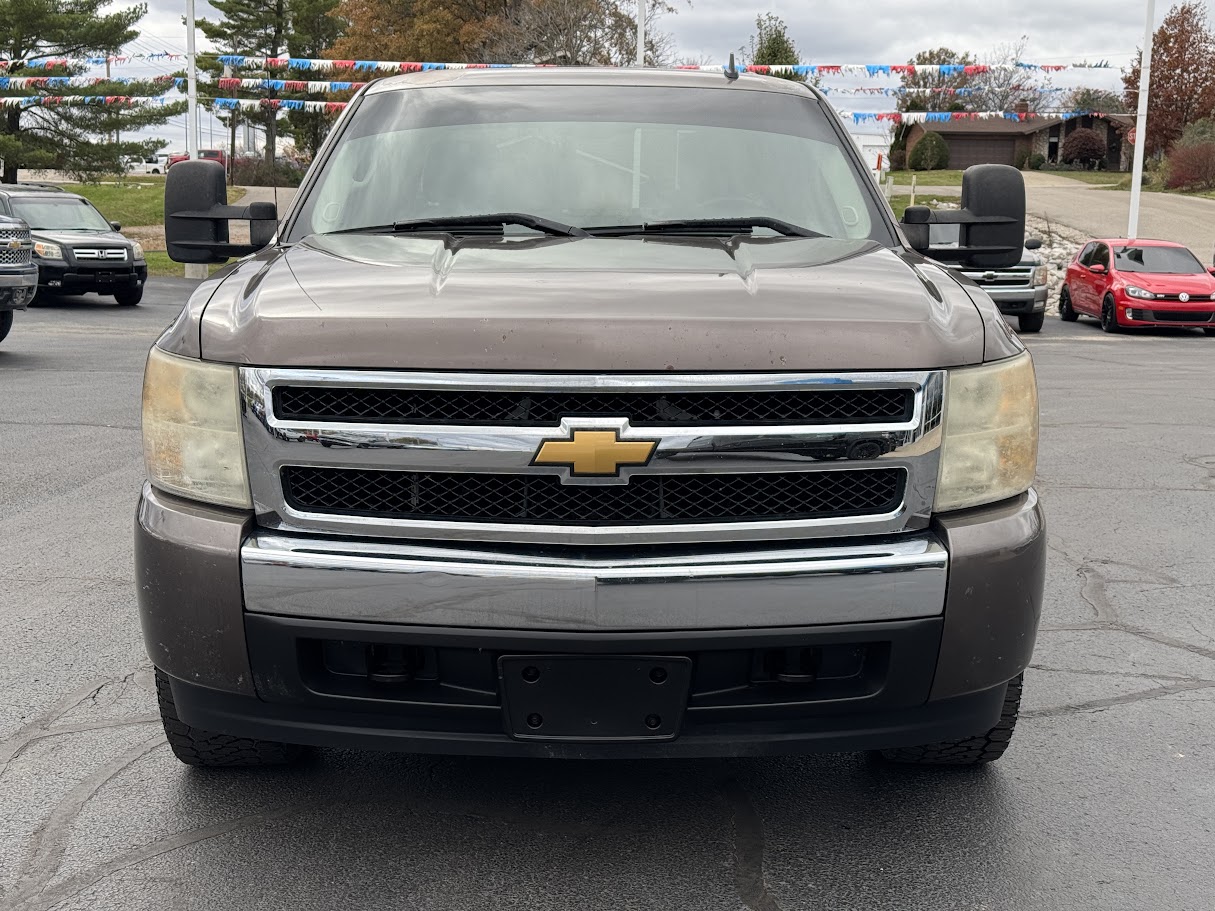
point(1104, 801)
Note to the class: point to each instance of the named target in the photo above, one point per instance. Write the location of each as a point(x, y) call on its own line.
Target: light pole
point(641, 32)
point(193, 270)
point(1145, 81)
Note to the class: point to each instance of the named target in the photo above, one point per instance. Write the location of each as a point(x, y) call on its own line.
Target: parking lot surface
point(1104, 801)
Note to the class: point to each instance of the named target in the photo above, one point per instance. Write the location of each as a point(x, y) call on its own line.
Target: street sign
point(1132, 136)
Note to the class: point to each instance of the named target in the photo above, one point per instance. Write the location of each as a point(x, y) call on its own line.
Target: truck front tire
point(207, 749)
point(970, 751)
point(1031, 322)
point(6, 323)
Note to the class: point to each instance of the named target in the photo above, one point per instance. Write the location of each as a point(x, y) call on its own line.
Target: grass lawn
point(899, 204)
point(928, 178)
point(135, 203)
point(1097, 178)
point(160, 264)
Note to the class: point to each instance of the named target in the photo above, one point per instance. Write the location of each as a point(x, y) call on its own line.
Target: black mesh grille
point(646, 499)
point(542, 409)
point(1181, 316)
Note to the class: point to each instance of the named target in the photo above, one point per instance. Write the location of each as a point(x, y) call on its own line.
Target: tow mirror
point(991, 233)
point(197, 215)
point(1034, 243)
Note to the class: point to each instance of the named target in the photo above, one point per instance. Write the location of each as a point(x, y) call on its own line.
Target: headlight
point(990, 449)
point(48, 251)
point(136, 249)
point(1041, 275)
point(191, 430)
point(1140, 293)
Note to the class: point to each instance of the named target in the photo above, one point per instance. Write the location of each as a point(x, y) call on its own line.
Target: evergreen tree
point(314, 30)
point(771, 44)
point(84, 141)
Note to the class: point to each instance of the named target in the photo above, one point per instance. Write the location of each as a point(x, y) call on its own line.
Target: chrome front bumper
point(770, 586)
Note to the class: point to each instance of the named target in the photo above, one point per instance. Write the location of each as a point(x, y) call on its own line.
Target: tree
point(70, 138)
point(314, 30)
point(1182, 88)
point(258, 28)
point(771, 44)
point(1002, 85)
point(1096, 100)
point(1083, 145)
point(929, 89)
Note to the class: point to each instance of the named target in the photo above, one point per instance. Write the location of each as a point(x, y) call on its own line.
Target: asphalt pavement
point(1104, 801)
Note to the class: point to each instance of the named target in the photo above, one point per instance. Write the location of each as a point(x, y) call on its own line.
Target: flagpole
point(193, 270)
point(1145, 81)
point(641, 32)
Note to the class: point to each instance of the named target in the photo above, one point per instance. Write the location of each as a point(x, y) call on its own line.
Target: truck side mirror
point(991, 220)
point(197, 215)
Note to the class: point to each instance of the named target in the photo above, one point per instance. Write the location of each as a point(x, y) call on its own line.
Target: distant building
point(999, 141)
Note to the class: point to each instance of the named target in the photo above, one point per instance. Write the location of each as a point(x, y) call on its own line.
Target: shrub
point(1192, 167)
point(1037, 161)
point(1083, 146)
point(1021, 159)
point(930, 153)
point(898, 159)
point(1200, 132)
point(254, 172)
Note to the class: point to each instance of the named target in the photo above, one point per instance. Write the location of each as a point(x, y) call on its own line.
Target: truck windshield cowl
point(594, 156)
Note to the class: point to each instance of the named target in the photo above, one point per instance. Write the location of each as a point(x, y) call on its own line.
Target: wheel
point(1031, 322)
point(6, 323)
point(204, 748)
point(156, 170)
point(1109, 316)
point(129, 297)
point(977, 750)
point(1066, 313)
point(1205, 331)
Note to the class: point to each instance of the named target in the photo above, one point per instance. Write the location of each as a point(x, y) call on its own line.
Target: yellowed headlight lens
point(990, 450)
point(191, 430)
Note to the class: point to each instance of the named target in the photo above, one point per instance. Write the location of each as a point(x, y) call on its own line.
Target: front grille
point(1177, 297)
point(1179, 316)
point(327, 404)
point(645, 500)
point(106, 254)
point(22, 255)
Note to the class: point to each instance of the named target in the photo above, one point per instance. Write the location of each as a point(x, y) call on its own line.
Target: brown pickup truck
point(590, 413)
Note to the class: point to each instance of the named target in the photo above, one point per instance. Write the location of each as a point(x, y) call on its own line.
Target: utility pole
point(641, 32)
point(1145, 82)
point(193, 270)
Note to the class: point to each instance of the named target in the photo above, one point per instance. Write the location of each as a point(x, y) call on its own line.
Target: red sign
point(1132, 136)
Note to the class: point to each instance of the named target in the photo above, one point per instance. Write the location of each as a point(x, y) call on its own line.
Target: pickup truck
point(18, 274)
point(589, 413)
point(1019, 290)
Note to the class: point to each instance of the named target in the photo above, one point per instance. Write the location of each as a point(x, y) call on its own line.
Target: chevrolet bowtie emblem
point(599, 453)
point(15, 245)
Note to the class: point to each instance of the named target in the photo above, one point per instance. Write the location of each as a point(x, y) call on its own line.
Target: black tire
point(207, 749)
point(129, 297)
point(970, 751)
point(1109, 316)
point(1210, 332)
point(1031, 322)
point(1066, 312)
point(6, 323)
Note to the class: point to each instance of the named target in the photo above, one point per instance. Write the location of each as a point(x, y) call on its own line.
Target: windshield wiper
point(708, 226)
point(472, 224)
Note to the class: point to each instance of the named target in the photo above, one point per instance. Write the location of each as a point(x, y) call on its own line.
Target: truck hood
point(597, 304)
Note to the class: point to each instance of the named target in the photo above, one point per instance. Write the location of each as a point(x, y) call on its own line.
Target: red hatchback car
point(1136, 283)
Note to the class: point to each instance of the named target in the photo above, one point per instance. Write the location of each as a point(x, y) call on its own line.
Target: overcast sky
point(851, 31)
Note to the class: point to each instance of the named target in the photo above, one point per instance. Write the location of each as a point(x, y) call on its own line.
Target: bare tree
point(580, 32)
point(1004, 85)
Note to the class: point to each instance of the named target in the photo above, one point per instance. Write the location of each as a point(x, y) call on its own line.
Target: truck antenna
point(731, 70)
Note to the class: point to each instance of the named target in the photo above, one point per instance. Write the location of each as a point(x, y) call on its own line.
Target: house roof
point(1003, 127)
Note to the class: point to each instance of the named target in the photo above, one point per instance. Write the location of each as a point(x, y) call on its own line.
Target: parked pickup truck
point(18, 274)
point(1019, 290)
point(589, 413)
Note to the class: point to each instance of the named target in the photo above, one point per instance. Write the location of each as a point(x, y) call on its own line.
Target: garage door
point(967, 150)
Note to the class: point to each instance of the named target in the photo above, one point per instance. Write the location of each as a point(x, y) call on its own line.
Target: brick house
point(1000, 141)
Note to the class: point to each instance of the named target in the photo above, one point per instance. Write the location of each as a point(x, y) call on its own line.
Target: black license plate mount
point(597, 698)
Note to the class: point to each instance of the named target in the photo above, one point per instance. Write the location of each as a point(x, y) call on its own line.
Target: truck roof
point(586, 75)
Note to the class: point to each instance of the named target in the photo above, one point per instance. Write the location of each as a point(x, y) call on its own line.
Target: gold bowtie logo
point(595, 452)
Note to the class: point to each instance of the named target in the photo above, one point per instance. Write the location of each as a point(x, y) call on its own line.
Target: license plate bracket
point(594, 697)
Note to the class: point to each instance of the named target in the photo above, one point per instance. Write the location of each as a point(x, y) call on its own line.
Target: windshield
point(67, 213)
point(588, 157)
point(1161, 260)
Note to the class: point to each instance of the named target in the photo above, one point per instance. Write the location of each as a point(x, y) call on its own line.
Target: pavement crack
point(47, 898)
point(1101, 705)
point(1129, 675)
point(50, 839)
point(748, 849)
point(40, 723)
